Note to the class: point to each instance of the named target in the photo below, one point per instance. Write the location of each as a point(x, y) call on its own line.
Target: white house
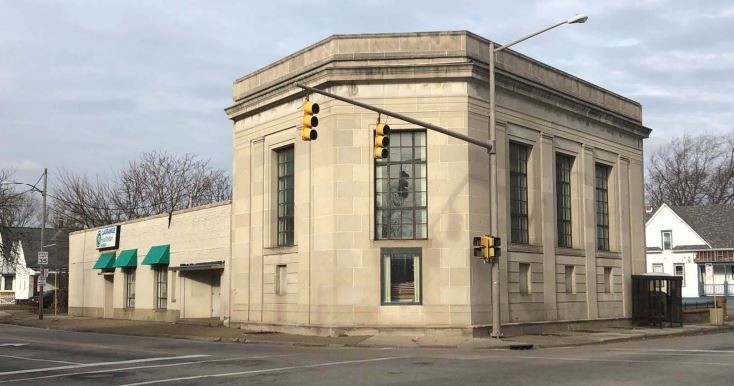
point(683, 240)
point(19, 273)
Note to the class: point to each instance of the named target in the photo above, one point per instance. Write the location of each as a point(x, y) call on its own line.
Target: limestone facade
point(331, 276)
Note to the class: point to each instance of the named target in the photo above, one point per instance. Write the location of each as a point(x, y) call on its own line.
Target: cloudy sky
point(88, 85)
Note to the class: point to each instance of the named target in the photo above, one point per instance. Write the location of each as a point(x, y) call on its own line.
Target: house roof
point(30, 239)
point(712, 222)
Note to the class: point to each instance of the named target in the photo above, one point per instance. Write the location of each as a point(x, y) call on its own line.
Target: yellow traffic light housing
point(382, 141)
point(310, 121)
point(487, 247)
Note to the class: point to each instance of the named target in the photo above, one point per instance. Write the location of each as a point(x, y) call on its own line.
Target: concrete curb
point(719, 330)
point(414, 343)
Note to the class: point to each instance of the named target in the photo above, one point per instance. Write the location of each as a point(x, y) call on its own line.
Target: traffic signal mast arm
point(489, 145)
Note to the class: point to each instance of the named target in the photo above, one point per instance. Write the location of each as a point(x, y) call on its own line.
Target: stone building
point(325, 239)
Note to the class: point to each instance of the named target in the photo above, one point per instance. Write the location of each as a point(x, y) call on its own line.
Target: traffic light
point(382, 140)
point(310, 109)
point(487, 247)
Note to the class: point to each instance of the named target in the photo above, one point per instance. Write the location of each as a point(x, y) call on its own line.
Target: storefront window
point(161, 284)
point(401, 276)
point(130, 288)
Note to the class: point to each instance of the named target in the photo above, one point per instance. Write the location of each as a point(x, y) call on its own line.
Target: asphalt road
point(39, 356)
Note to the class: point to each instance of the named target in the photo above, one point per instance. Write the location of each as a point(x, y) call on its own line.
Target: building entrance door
point(108, 289)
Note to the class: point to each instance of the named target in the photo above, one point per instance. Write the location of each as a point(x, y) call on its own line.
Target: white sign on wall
point(108, 237)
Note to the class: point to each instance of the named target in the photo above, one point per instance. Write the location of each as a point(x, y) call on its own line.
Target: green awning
point(158, 254)
point(105, 261)
point(127, 259)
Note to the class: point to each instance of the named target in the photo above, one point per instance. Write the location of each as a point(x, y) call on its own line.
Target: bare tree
point(158, 182)
point(692, 171)
point(17, 209)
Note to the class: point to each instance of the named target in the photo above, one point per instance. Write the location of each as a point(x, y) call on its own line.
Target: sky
point(86, 86)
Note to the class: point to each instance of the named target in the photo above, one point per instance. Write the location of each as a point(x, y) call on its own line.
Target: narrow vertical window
point(519, 193)
point(667, 239)
point(129, 288)
point(285, 196)
point(401, 188)
point(173, 286)
point(570, 279)
point(8, 285)
point(281, 279)
point(608, 280)
point(525, 279)
point(563, 198)
point(401, 275)
point(602, 207)
point(161, 285)
point(679, 270)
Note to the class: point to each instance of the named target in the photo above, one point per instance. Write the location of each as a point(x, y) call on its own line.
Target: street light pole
point(43, 228)
point(494, 206)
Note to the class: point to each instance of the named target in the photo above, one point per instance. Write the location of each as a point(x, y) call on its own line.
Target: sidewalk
point(224, 334)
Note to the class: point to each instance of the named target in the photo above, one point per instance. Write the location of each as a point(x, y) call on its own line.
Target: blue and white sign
point(108, 237)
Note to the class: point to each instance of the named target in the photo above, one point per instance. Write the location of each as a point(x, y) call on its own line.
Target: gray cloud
point(86, 85)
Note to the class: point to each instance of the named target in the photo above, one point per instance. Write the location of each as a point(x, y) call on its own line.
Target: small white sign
point(108, 237)
point(41, 280)
point(43, 258)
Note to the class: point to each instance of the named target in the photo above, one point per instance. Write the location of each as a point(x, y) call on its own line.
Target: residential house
point(20, 270)
point(683, 240)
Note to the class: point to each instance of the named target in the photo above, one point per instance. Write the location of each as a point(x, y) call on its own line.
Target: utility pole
point(43, 229)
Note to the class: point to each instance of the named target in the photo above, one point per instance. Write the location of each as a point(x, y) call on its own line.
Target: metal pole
point(487, 145)
point(500, 48)
point(493, 215)
point(43, 228)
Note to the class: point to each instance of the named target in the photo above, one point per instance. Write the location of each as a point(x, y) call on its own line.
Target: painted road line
point(12, 344)
point(101, 364)
point(145, 367)
point(39, 360)
point(673, 350)
point(695, 363)
point(271, 370)
point(690, 354)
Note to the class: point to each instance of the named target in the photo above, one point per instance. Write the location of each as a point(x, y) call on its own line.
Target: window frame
point(661, 265)
point(519, 218)
point(683, 272)
point(383, 212)
point(161, 271)
point(602, 173)
point(11, 279)
point(564, 201)
point(401, 251)
point(130, 279)
point(670, 241)
point(285, 236)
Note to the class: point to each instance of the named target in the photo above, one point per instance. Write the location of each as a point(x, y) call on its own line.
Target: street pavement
point(42, 356)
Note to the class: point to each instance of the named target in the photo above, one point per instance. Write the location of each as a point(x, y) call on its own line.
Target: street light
point(496, 320)
point(43, 227)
